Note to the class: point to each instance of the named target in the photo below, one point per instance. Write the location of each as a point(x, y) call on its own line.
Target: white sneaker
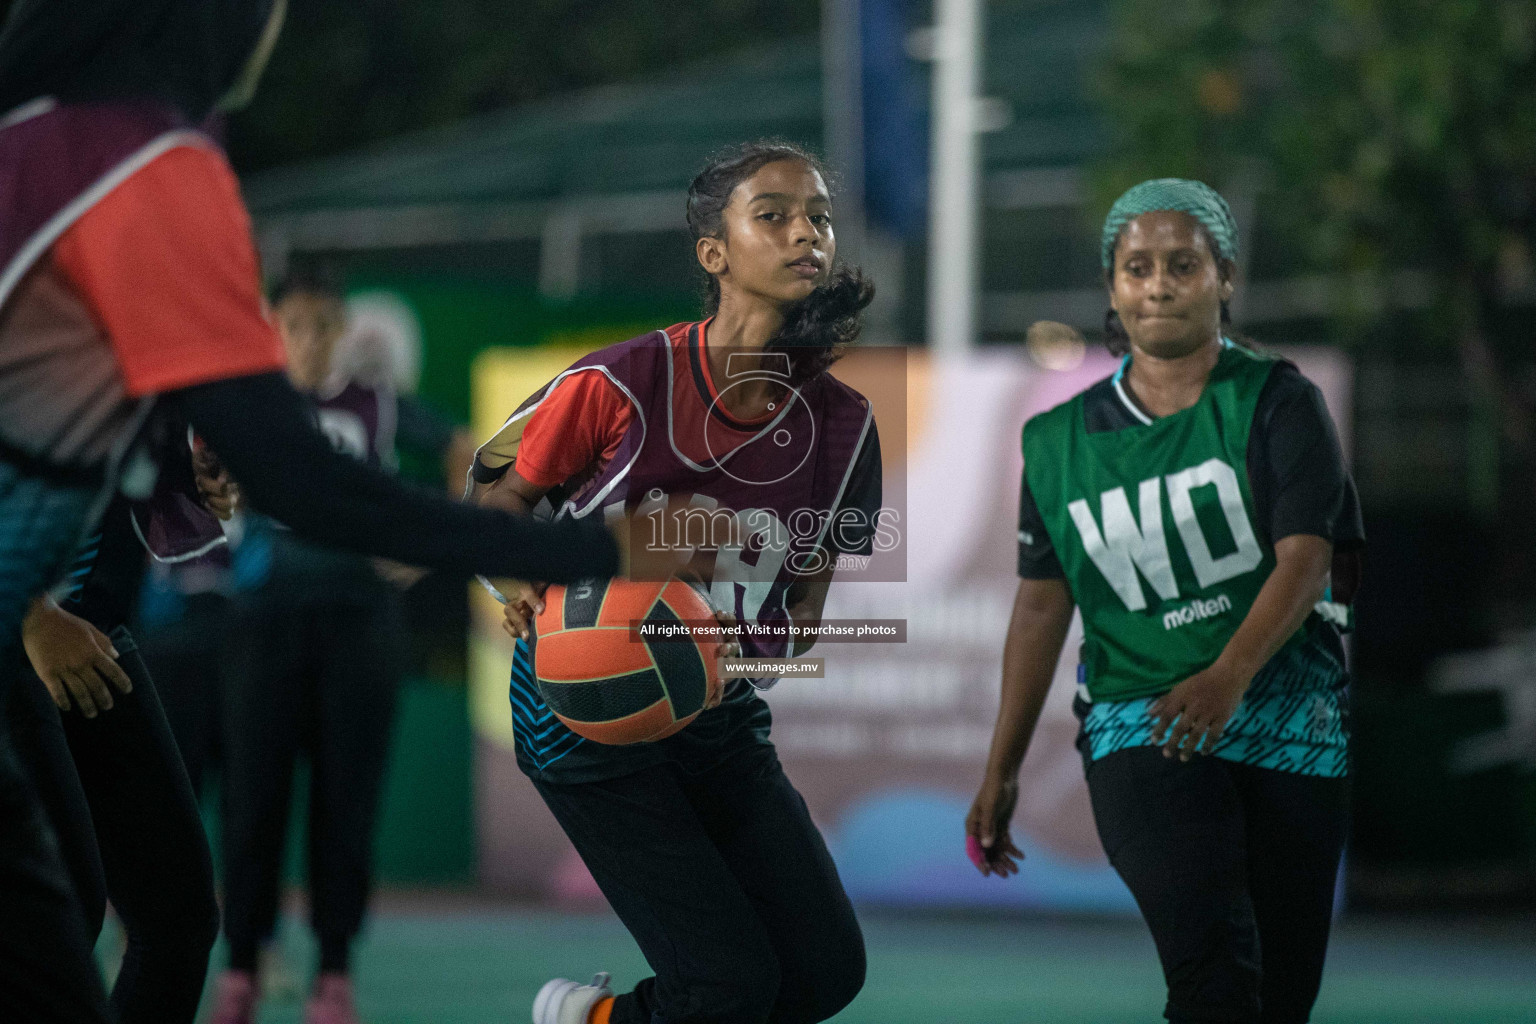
point(565, 1002)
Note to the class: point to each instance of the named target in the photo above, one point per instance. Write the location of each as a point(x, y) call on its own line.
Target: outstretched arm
point(260, 428)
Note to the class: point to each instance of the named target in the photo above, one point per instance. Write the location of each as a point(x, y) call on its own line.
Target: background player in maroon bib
point(315, 648)
point(699, 841)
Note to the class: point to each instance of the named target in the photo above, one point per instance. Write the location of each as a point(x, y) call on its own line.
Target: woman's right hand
point(73, 658)
point(987, 824)
point(524, 602)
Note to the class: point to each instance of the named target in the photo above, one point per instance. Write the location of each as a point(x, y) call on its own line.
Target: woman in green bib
point(1195, 508)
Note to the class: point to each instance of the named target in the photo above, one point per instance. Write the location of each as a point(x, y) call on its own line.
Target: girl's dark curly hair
point(818, 329)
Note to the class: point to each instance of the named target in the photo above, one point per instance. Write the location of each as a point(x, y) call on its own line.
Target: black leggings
point(1234, 869)
point(185, 655)
point(726, 885)
point(316, 674)
point(47, 973)
point(118, 797)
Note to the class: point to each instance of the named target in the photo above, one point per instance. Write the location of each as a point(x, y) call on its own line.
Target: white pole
point(952, 195)
point(842, 90)
point(560, 254)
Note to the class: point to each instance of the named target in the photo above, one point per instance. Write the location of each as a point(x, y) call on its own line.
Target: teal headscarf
point(1195, 198)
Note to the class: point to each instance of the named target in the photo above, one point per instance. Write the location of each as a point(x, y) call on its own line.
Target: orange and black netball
point(625, 662)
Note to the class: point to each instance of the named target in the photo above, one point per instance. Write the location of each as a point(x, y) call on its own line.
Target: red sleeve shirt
point(577, 427)
point(166, 265)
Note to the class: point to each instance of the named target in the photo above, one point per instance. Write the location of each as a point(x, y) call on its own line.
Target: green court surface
point(483, 965)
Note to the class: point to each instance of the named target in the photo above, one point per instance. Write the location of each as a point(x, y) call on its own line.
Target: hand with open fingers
point(73, 658)
point(986, 828)
point(1191, 717)
point(524, 601)
point(729, 647)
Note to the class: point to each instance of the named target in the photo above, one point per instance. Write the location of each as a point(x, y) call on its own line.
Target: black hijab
point(187, 53)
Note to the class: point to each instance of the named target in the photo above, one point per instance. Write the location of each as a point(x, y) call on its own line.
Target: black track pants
point(316, 676)
point(47, 973)
point(1234, 869)
point(185, 656)
point(128, 825)
point(726, 885)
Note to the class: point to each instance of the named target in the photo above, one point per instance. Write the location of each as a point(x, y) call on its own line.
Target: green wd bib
point(1154, 527)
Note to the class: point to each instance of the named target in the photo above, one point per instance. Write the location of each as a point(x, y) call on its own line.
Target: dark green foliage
point(1387, 134)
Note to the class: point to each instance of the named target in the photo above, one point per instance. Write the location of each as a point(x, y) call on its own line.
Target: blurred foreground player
point(127, 272)
point(699, 841)
point(1196, 509)
point(102, 756)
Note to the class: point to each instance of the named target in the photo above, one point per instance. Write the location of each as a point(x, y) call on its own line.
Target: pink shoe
point(234, 1000)
point(331, 1002)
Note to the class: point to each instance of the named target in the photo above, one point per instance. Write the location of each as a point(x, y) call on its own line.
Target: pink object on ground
point(974, 851)
point(331, 1002)
point(234, 999)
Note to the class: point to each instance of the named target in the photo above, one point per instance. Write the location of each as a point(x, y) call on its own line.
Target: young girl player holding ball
point(701, 844)
point(1195, 508)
